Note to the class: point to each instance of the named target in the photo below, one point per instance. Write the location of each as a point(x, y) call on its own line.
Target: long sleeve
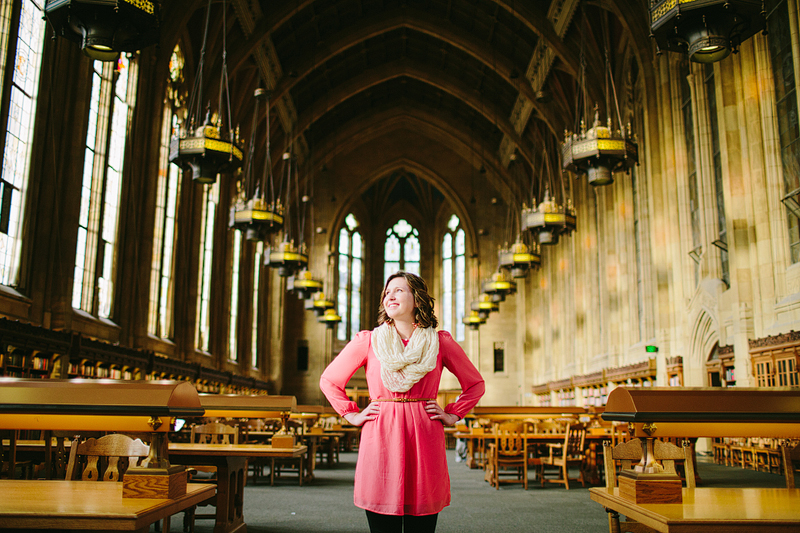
point(472, 384)
point(334, 380)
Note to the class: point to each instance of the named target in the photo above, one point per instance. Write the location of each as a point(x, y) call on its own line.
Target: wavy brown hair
point(423, 302)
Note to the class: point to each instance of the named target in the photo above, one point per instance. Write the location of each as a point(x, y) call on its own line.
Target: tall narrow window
point(111, 106)
point(348, 296)
point(453, 278)
point(23, 40)
point(691, 166)
point(162, 272)
point(780, 47)
point(210, 202)
point(233, 352)
point(401, 250)
point(258, 257)
point(713, 122)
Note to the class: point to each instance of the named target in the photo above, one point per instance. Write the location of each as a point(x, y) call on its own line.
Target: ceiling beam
point(432, 77)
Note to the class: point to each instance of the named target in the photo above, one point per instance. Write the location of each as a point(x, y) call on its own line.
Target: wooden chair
point(214, 433)
point(106, 458)
point(790, 452)
point(209, 433)
point(629, 453)
point(722, 451)
point(563, 456)
point(291, 465)
point(508, 454)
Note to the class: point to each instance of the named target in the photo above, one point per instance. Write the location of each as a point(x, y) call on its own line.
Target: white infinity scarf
point(402, 366)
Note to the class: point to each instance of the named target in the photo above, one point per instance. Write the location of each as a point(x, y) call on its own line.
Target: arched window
point(258, 265)
point(401, 250)
point(26, 51)
point(210, 203)
point(453, 278)
point(111, 106)
point(233, 330)
point(162, 271)
point(351, 253)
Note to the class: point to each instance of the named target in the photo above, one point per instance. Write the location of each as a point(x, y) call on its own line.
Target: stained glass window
point(233, 352)
point(27, 53)
point(401, 249)
point(348, 296)
point(210, 203)
point(111, 106)
point(257, 265)
point(453, 278)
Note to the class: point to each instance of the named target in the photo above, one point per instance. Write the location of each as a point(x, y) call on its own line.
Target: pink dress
point(402, 467)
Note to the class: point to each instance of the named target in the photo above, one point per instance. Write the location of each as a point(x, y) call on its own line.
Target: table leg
point(12, 454)
point(471, 453)
point(231, 475)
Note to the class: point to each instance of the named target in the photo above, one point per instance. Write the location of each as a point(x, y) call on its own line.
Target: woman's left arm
point(472, 384)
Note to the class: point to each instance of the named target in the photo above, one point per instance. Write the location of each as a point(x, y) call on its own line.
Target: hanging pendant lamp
point(330, 318)
point(287, 258)
point(499, 286)
point(213, 147)
point(104, 28)
point(256, 211)
point(484, 306)
point(473, 320)
point(599, 152)
point(706, 30)
point(520, 258)
point(303, 284)
point(319, 304)
point(549, 220)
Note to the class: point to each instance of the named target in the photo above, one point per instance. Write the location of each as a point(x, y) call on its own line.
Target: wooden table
point(315, 440)
point(86, 505)
point(713, 509)
point(231, 463)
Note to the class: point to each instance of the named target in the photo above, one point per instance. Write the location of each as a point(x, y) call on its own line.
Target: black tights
point(386, 523)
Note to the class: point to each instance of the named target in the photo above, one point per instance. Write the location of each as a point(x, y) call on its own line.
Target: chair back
point(112, 455)
point(510, 439)
point(630, 452)
point(574, 440)
point(790, 453)
point(548, 426)
point(215, 433)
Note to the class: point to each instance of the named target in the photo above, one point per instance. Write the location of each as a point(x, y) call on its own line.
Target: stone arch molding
point(703, 318)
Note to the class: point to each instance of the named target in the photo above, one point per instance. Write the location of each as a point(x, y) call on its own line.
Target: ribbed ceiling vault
point(483, 78)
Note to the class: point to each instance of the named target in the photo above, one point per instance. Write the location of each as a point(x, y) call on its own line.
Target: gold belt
point(401, 400)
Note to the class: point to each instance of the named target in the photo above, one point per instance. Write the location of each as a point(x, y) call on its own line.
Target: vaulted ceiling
point(492, 80)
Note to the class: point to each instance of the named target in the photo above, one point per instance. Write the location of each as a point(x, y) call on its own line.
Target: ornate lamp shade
point(256, 217)
point(104, 28)
point(319, 304)
point(520, 258)
point(484, 306)
point(206, 152)
point(499, 286)
point(329, 318)
point(473, 320)
point(708, 30)
point(549, 220)
point(599, 152)
point(287, 258)
point(304, 284)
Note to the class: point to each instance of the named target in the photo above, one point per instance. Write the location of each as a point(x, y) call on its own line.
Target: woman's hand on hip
point(437, 413)
point(369, 413)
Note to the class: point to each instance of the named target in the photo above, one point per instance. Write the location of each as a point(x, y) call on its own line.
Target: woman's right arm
point(334, 379)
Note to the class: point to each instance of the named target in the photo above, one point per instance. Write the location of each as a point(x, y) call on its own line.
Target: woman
point(401, 474)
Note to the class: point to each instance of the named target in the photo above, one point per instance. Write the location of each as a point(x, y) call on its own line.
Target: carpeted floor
point(326, 504)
